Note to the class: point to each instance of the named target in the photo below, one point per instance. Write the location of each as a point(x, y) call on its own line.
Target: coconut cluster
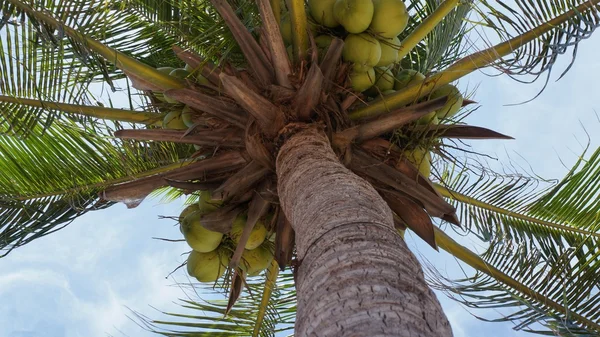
point(212, 251)
point(370, 30)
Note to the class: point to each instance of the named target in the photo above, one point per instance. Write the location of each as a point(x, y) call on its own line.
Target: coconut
point(421, 158)
point(323, 41)
point(388, 92)
point(189, 210)
point(207, 204)
point(407, 77)
point(362, 50)
point(354, 15)
point(285, 27)
point(257, 236)
point(322, 12)
point(174, 121)
point(207, 267)
point(180, 73)
point(199, 238)
point(187, 115)
point(389, 52)
point(430, 118)
point(390, 17)
point(256, 260)
point(384, 81)
point(166, 70)
point(362, 81)
point(454, 103)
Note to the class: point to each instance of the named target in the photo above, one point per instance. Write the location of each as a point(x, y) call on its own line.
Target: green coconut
point(362, 50)
point(428, 119)
point(173, 120)
point(362, 81)
point(199, 238)
point(388, 92)
point(384, 81)
point(322, 12)
point(389, 52)
point(256, 260)
point(189, 210)
point(187, 115)
point(180, 73)
point(323, 41)
point(454, 103)
point(208, 267)
point(421, 158)
point(407, 77)
point(257, 236)
point(166, 70)
point(354, 15)
point(285, 27)
point(390, 18)
point(207, 204)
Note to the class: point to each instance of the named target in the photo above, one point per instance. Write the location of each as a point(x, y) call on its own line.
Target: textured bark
point(357, 277)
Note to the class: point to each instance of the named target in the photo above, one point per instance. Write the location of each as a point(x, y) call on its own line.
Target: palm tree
point(286, 135)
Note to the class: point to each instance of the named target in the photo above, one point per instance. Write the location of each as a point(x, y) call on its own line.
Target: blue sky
point(82, 280)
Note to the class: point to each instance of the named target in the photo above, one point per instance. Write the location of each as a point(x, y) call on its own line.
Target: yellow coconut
point(362, 50)
point(362, 81)
point(257, 236)
point(388, 92)
point(187, 115)
point(208, 267)
point(199, 238)
point(454, 103)
point(421, 158)
point(389, 52)
point(390, 17)
point(322, 12)
point(256, 260)
point(354, 15)
point(407, 77)
point(173, 120)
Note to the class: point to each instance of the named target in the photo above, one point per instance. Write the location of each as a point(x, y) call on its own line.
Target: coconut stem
point(299, 29)
point(466, 65)
point(91, 111)
point(425, 27)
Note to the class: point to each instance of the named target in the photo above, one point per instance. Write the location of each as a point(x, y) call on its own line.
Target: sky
point(84, 279)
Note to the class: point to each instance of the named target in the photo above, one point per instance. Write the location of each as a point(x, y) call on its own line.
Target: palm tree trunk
point(357, 277)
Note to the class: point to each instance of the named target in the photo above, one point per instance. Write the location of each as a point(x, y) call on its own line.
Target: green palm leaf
point(206, 317)
point(51, 179)
point(551, 255)
point(539, 56)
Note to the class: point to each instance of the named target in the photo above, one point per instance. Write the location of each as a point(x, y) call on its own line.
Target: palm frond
point(539, 56)
point(51, 179)
point(42, 60)
point(443, 45)
point(550, 256)
point(206, 317)
point(576, 199)
point(492, 288)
